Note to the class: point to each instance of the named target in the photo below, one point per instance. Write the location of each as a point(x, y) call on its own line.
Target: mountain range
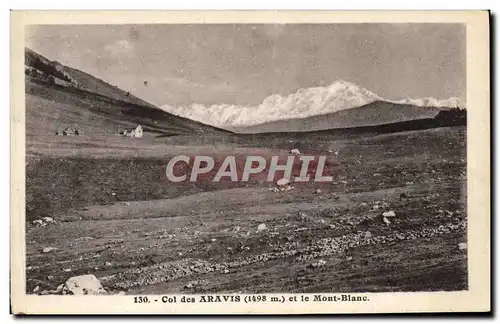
point(58, 95)
point(306, 103)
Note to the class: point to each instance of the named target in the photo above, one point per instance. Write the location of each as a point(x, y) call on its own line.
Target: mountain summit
point(305, 102)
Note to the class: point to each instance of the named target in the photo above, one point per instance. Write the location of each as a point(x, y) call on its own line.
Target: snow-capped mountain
point(431, 102)
point(306, 102)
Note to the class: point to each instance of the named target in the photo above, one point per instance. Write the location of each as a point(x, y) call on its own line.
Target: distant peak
point(341, 82)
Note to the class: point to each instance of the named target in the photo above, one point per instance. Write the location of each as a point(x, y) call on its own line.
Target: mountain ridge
point(372, 114)
point(304, 103)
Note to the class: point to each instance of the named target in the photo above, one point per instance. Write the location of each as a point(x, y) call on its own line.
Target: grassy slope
point(96, 106)
point(88, 82)
point(138, 238)
point(98, 113)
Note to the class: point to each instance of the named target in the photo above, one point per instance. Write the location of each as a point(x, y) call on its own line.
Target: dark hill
point(375, 113)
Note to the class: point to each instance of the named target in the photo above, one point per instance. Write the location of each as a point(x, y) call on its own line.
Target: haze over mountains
point(308, 102)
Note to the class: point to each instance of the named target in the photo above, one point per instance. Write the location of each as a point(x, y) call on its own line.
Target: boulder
point(261, 227)
point(83, 285)
point(318, 264)
point(38, 222)
point(390, 213)
point(48, 249)
point(301, 216)
point(462, 246)
point(282, 182)
point(295, 152)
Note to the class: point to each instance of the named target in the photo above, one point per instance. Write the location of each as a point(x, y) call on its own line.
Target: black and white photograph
point(216, 161)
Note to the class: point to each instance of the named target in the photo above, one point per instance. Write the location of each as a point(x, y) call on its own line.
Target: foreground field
point(117, 217)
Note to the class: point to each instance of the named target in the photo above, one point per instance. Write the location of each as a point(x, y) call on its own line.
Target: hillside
point(57, 96)
point(375, 113)
point(305, 102)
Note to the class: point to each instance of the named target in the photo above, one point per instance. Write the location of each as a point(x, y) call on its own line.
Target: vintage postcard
point(250, 162)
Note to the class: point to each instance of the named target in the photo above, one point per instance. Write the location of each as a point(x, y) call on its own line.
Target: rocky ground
point(393, 219)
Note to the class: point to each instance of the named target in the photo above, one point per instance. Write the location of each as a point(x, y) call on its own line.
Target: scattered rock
point(349, 258)
point(48, 249)
point(194, 284)
point(67, 270)
point(83, 285)
point(368, 234)
point(85, 238)
point(318, 264)
point(50, 278)
point(282, 182)
point(215, 240)
point(301, 216)
point(126, 203)
point(295, 152)
point(37, 288)
point(49, 220)
point(317, 191)
point(108, 264)
point(386, 221)
point(37, 222)
point(261, 227)
point(390, 213)
point(462, 246)
point(376, 207)
point(59, 289)
point(121, 293)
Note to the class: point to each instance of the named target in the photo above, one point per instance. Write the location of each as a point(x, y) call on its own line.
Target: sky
point(242, 64)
